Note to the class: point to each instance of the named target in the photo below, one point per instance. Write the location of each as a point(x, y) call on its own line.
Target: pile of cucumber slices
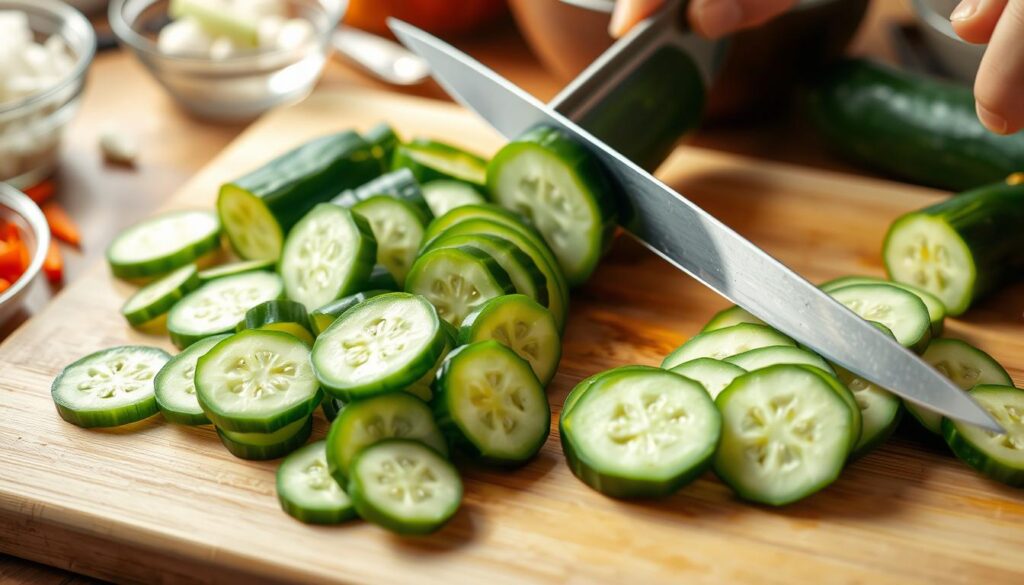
point(417, 294)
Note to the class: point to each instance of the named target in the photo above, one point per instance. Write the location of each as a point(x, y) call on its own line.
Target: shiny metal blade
point(700, 245)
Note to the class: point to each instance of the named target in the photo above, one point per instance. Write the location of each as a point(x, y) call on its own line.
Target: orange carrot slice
point(42, 192)
point(53, 264)
point(61, 225)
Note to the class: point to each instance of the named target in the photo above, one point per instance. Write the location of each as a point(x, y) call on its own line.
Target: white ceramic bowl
point(960, 58)
point(17, 208)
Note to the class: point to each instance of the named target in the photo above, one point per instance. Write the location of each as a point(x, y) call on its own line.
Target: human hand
point(710, 18)
point(999, 86)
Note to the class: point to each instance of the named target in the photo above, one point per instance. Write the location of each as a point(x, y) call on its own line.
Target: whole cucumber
point(912, 127)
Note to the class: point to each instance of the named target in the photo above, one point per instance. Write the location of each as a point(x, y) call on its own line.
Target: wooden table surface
point(121, 94)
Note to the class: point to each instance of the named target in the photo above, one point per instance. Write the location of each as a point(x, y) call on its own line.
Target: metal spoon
point(380, 57)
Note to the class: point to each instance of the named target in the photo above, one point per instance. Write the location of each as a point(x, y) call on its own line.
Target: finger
point(629, 12)
point(715, 18)
point(974, 20)
point(998, 87)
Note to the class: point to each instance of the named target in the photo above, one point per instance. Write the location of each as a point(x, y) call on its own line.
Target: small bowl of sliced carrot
point(24, 243)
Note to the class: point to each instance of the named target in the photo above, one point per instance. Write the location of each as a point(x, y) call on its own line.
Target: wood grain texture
point(154, 502)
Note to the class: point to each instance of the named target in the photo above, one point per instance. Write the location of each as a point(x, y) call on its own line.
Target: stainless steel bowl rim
point(20, 204)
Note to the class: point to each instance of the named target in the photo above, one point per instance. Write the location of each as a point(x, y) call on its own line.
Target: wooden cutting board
point(154, 502)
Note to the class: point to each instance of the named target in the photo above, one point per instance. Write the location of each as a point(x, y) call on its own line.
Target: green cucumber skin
point(267, 452)
point(279, 311)
point(404, 159)
point(989, 221)
point(382, 139)
point(141, 410)
point(891, 121)
point(157, 267)
point(399, 184)
point(322, 318)
point(975, 457)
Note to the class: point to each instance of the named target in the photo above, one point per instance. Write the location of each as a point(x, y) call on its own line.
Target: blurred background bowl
point(958, 58)
point(17, 208)
point(239, 87)
point(761, 65)
point(31, 128)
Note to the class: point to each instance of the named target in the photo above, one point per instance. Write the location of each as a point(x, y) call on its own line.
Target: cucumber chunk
point(218, 306)
point(264, 446)
point(382, 139)
point(997, 455)
point(519, 323)
point(328, 254)
point(398, 228)
point(900, 311)
point(365, 422)
point(640, 432)
point(431, 160)
point(306, 490)
point(561, 188)
point(785, 435)
point(936, 310)
point(714, 375)
point(458, 281)
point(880, 410)
point(109, 388)
point(322, 318)
point(279, 315)
point(728, 317)
point(722, 343)
point(576, 393)
point(175, 384)
point(763, 357)
point(490, 403)
point(847, 396)
point(257, 381)
point(966, 366)
point(405, 487)
point(399, 185)
point(160, 244)
point(381, 345)
point(443, 196)
point(233, 268)
point(526, 277)
point(158, 297)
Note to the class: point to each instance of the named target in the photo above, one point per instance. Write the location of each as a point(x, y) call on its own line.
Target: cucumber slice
point(365, 422)
point(157, 298)
point(382, 139)
point(519, 323)
point(728, 317)
point(847, 395)
point(926, 251)
point(405, 487)
point(558, 290)
point(714, 375)
point(109, 388)
point(967, 367)
point(880, 410)
point(489, 212)
point(491, 404)
point(378, 346)
point(264, 446)
point(560, 186)
point(900, 311)
point(526, 277)
point(398, 229)
point(999, 456)
point(257, 381)
point(785, 435)
point(280, 315)
point(162, 243)
point(218, 306)
point(443, 196)
point(322, 318)
point(640, 432)
point(400, 184)
point(726, 342)
point(430, 160)
point(233, 268)
point(218, 20)
point(763, 357)
point(458, 281)
point(175, 384)
point(936, 310)
point(423, 388)
point(306, 490)
point(575, 394)
point(328, 254)
point(331, 408)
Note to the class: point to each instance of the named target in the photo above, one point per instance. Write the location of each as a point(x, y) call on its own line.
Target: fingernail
point(618, 23)
point(716, 18)
point(991, 120)
point(964, 10)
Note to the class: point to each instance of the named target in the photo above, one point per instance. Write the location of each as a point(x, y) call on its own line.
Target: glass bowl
point(239, 87)
point(17, 208)
point(31, 127)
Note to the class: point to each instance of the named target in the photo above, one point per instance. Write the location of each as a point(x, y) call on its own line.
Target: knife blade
point(697, 243)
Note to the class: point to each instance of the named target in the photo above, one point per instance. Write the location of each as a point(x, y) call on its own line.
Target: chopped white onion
point(183, 37)
point(186, 35)
point(119, 147)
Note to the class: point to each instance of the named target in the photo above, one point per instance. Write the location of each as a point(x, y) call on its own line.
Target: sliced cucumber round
point(444, 195)
point(328, 254)
point(714, 375)
point(458, 281)
point(722, 343)
point(157, 298)
point(381, 345)
point(423, 388)
point(763, 357)
point(431, 160)
point(488, 212)
point(786, 434)
point(109, 388)
point(233, 268)
point(927, 251)
point(257, 381)
point(175, 384)
point(880, 410)
point(365, 422)
point(163, 243)
point(640, 432)
point(322, 318)
point(519, 323)
point(936, 310)
point(847, 396)
point(398, 227)
point(491, 404)
point(279, 315)
point(997, 455)
point(264, 446)
point(306, 490)
point(404, 486)
point(575, 394)
point(218, 306)
point(400, 184)
point(526, 277)
point(728, 317)
point(966, 366)
point(901, 311)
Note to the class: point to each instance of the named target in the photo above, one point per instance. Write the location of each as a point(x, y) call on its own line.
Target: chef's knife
point(700, 245)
